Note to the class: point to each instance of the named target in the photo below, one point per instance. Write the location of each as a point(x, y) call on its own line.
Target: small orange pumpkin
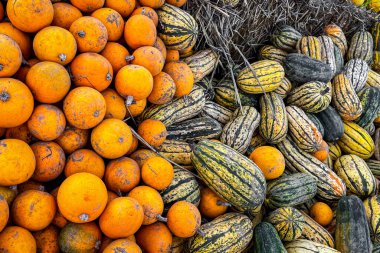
point(147, 11)
point(211, 205)
point(84, 160)
point(155, 238)
point(172, 55)
point(134, 146)
point(47, 240)
point(136, 108)
point(182, 76)
point(140, 31)
point(160, 45)
point(20, 132)
point(11, 56)
point(152, 3)
point(321, 213)
point(135, 81)
point(4, 213)
point(17, 240)
point(72, 139)
point(111, 196)
point(122, 175)
point(123, 245)
point(112, 20)
point(24, 70)
point(115, 106)
point(8, 193)
point(184, 219)
point(178, 3)
point(157, 173)
point(80, 237)
point(150, 58)
point(323, 152)
point(270, 161)
point(117, 55)
point(65, 14)
point(142, 155)
point(152, 131)
point(88, 5)
point(124, 7)
point(30, 185)
point(22, 39)
point(163, 89)
point(58, 220)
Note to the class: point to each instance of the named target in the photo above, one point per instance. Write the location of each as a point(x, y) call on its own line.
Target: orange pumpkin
point(155, 238)
point(30, 15)
point(135, 81)
point(11, 56)
point(65, 14)
point(90, 34)
point(172, 55)
point(111, 196)
point(270, 161)
point(84, 160)
point(22, 39)
point(47, 122)
point(136, 108)
point(84, 107)
point(122, 217)
point(17, 162)
point(47, 240)
point(152, 131)
point(184, 219)
point(72, 139)
point(150, 58)
point(211, 205)
point(24, 70)
point(111, 139)
point(147, 11)
point(92, 70)
point(160, 45)
point(122, 175)
point(122, 245)
point(20, 132)
point(178, 3)
point(157, 173)
point(323, 152)
point(82, 197)
point(33, 210)
point(17, 240)
point(8, 193)
point(80, 237)
point(117, 55)
point(4, 213)
point(55, 44)
point(48, 81)
point(321, 213)
point(142, 155)
point(112, 20)
point(30, 185)
point(88, 5)
point(50, 161)
point(134, 146)
point(140, 31)
point(124, 7)
point(58, 220)
point(115, 106)
point(163, 89)
point(152, 3)
point(182, 76)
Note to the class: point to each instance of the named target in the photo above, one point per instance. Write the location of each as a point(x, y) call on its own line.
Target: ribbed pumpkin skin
point(356, 141)
point(310, 46)
point(183, 187)
point(237, 133)
point(339, 59)
point(177, 28)
point(267, 77)
point(291, 190)
point(229, 174)
point(288, 222)
point(179, 109)
point(372, 209)
point(337, 36)
point(230, 233)
point(302, 130)
point(373, 79)
point(361, 47)
point(332, 123)
point(202, 63)
point(356, 174)
point(266, 239)
point(356, 71)
point(370, 101)
point(176, 151)
point(311, 97)
point(315, 232)
point(374, 166)
point(327, 51)
point(344, 98)
point(334, 151)
point(352, 231)
point(274, 122)
point(284, 89)
point(225, 96)
point(285, 37)
point(330, 186)
point(269, 52)
point(217, 112)
point(307, 246)
point(316, 122)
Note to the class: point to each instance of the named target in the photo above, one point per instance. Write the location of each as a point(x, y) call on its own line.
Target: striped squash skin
point(374, 166)
point(266, 239)
point(334, 151)
point(288, 222)
point(316, 122)
point(302, 130)
point(228, 233)
point(337, 36)
point(356, 141)
point(376, 248)
point(208, 87)
point(285, 37)
point(330, 186)
point(256, 141)
point(370, 128)
point(361, 47)
point(177, 245)
point(355, 173)
point(284, 89)
point(217, 112)
point(373, 79)
point(177, 28)
point(179, 109)
point(237, 133)
point(232, 176)
point(339, 60)
point(291, 190)
point(202, 63)
point(184, 186)
point(310, 46)
point(327, 53)
point(269, 52)
point(176, 151)
point(345, 99)
point(274, 122)
point(372, 209)
point(356, 71)
point(194, 129)
point(376, 61)
point(376, 35)
point(329, 162)
point(269, 75)
point(314, 232)
point(311, 97)
point(307, 246)
point(370, 101)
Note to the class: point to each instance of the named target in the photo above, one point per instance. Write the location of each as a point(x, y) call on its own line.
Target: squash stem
point(222, 203)
point(162, 219)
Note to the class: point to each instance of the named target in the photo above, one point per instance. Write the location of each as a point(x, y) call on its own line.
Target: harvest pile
point(117, 136)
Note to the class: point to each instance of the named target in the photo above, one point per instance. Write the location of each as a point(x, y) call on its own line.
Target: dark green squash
point(370, 100)
point(332, 123)
point(266, 239)
point(285, 37)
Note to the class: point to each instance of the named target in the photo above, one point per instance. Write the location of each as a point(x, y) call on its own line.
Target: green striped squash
point(274, 122)
point(291, 190)
point(256, 141)
point(327, 52)
point(357, 176)
point(330, 186)
point(370, 128)
point(373, 79)
point(356, 141)
point(339, 60)
point(267, 77)
point(177, 28)
point(284, 89)
point(376, 248)
point(208, 87)
point(334, 151)
point(345, 99)
point(374, 166)
point(217, 112)
point(329, 162)
point(269, 52)
point(361, 46)
point(356, 71)
point(232, 176)
point(266, 239)
point(176, 151)
point(307, 246)
point(310, 46)
point(316, 122)
point(228, 233)
point(288, 222)
point(237, 133)
point(370, 101)
point(202, 63)
point(372, 209)
point(376, 35)
point(302, 130)
point(337, 36)
point(285, 37)
point(314, 232)
point(184, 187)
point(311, 97)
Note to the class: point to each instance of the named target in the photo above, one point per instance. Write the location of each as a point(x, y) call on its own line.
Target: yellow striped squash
point(288, 222)
point(328, 51)
point(334, 151)
point(267, 77)
point(269, 52)
point(202, 63)
point(376, 61)
point(315, 232)
point(372, 209)
point(337, 36)
point(284, 89)
point(176, 151)
point(361, 46)
point(376, 35)
point(373, 79)
point(310, 46)
point(374, 5)
point(307, 246)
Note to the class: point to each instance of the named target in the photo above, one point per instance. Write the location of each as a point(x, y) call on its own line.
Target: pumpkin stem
point(108, 76)
point(129, 58)
point(200, 232)
point(81, 34)
point(84, 217)
point(222, 203)
point(25, 62)
point(1, 67)
point(162, 219)
point(325, 91)
point(4, 96)
point(62, 57)
point(129, 101)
